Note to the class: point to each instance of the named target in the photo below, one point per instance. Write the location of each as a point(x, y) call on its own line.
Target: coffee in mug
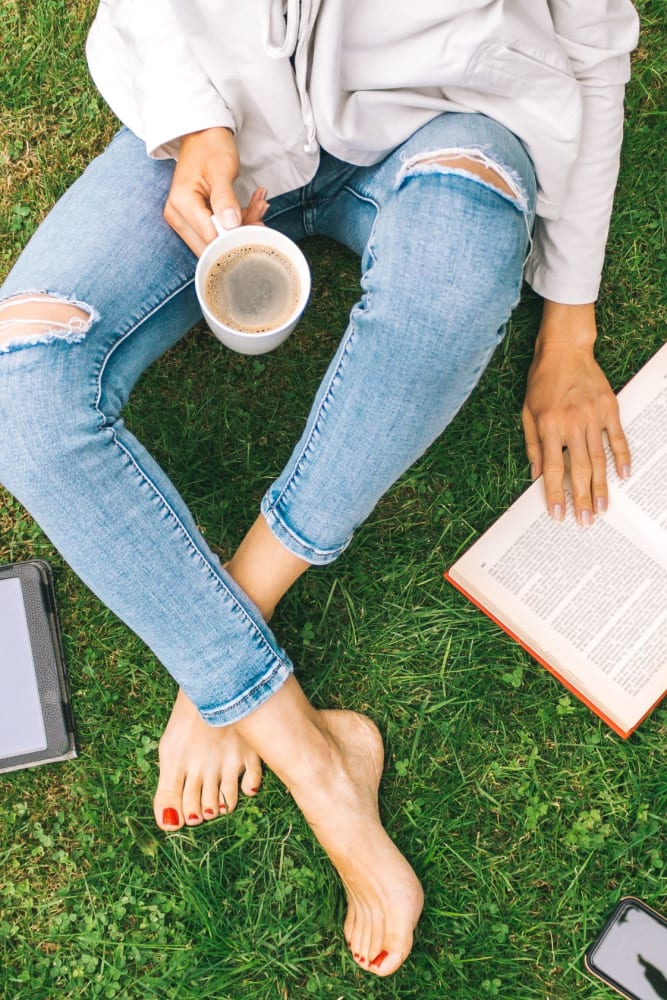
point(252, 288)
point(253, 284)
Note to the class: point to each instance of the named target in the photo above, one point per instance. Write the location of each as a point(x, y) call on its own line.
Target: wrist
point(570, 326)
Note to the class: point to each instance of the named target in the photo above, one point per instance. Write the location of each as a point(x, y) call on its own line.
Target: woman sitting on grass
point(427, 139)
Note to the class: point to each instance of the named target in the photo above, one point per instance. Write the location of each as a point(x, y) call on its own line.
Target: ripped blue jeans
point(442, 254)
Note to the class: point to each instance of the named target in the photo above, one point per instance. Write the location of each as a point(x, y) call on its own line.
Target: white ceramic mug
point(251, 236)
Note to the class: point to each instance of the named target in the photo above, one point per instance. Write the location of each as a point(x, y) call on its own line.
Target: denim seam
point(121, 340)
point(307, 446)
point(235, 605)
point(376, 204)
point(185, 534)
point(270, 216)
point(301, 205)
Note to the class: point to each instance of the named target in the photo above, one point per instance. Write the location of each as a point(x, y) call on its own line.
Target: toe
point(361, 936)
point(385, 963)
point(348, 926)
point(375, 947)
point(252, 777)
point(210, 797)
point(192, 800)
point(393, 953)
point(229, 792)
point(168, 801)
point(167, 817)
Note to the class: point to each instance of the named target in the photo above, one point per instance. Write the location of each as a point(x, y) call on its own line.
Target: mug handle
point(219, 228)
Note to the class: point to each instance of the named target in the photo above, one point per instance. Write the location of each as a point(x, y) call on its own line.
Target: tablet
point(36, 723)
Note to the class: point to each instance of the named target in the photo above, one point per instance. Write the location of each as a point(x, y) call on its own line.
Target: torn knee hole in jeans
point(35, 318)
point(472, 163)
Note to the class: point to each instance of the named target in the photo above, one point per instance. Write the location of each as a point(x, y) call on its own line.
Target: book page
point(597, 603)
point(646, 489)
point(21, 720)
point(642, 498)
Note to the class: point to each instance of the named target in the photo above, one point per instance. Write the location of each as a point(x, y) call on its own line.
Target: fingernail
point(208, 812)
point(600, 505)
point(557, 512)
point(170, 817)
point(264, 210)
point(193, 816)
point(532, 470)
point(586, 518)
point(379, 959)
point(626, 471)
point(230, 218)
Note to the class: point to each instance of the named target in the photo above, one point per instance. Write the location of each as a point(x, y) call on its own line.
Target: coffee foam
point(252, 289)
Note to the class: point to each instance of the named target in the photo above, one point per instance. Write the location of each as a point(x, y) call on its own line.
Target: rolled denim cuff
point(294, 542)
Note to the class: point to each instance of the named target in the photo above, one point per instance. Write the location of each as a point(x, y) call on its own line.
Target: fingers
point(225, 205)
point(588, 475)
point(256, 208)
point(189, 215)
point(619, 446)
point(553, 470)
point(533, 445)
point(544, 447)
point(580, 450)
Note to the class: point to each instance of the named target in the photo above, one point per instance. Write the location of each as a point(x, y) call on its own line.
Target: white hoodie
point(359, 76)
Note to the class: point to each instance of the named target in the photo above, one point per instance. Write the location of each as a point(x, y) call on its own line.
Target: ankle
point(293, 738)
point(258, 593)
point(264, 568)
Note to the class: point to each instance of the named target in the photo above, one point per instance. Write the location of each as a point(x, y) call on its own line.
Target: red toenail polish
point(170, 817)
point(355, 955)
point(193, 816)
point(223, 807)
point(208, 812)
point(379, 959)
point(254, 790)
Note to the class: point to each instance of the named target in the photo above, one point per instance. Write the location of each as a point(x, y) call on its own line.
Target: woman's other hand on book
point(569, 404)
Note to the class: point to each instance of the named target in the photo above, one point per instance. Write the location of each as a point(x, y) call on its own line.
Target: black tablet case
point(48, 661)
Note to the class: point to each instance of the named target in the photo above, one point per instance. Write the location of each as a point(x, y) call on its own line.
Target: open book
point(590, 603)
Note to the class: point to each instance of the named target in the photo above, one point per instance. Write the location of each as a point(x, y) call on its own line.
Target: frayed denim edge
point(72, 332)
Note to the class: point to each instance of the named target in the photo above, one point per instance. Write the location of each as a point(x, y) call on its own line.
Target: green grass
point(525, 816)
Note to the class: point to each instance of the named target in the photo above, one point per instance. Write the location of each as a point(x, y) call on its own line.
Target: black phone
point(630, 952)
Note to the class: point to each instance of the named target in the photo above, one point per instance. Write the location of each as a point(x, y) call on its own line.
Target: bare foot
point(340, 802)
point(200, 769)
point(200, 765)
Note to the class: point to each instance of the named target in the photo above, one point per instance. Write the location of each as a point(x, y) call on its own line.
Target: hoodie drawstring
point(280, 33)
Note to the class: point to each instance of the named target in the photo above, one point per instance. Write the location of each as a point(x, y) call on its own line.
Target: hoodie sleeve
point(565, 264)
point(140, 60)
